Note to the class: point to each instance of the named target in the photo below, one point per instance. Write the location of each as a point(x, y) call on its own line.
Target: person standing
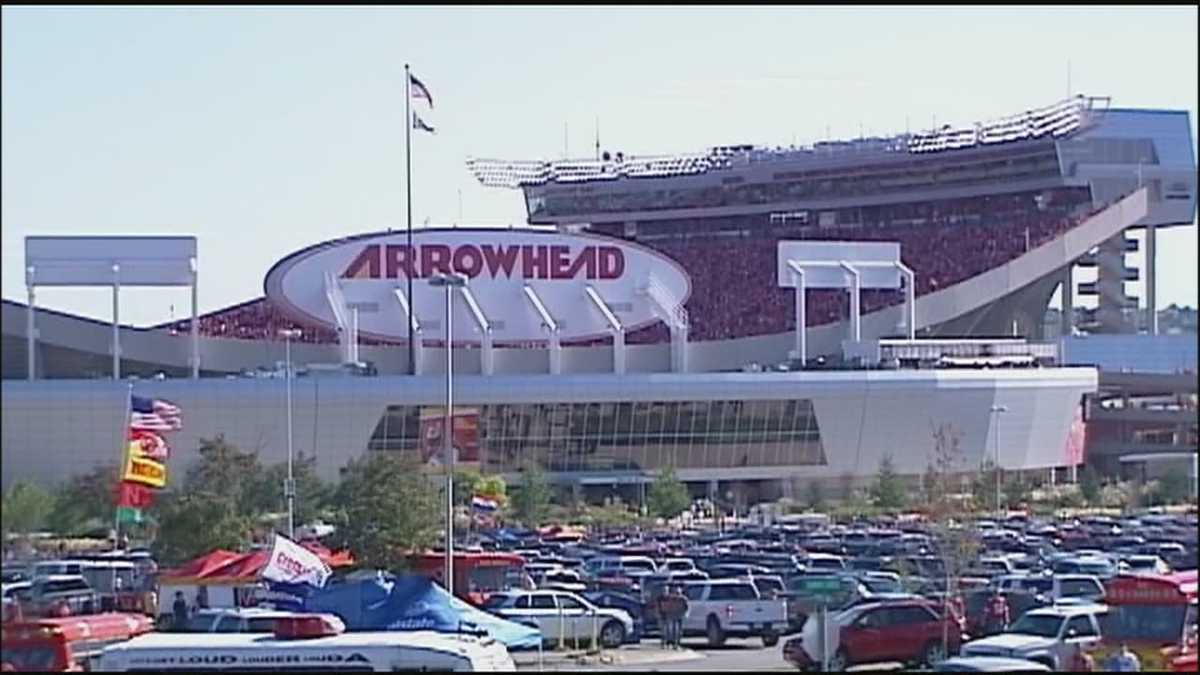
point(1124, 661)
point(674, 610)
point(179, 611)
point(1081, 661)
point(996, 620)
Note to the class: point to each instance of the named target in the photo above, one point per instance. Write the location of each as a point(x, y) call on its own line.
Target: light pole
point(998, 410)
point(449, 282)
point(289, 486)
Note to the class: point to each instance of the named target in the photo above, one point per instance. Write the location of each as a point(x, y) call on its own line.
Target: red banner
point(465, 440)
point(134, 496)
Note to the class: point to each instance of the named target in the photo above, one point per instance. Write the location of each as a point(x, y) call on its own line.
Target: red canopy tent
point(198, 568)
point(229, 568)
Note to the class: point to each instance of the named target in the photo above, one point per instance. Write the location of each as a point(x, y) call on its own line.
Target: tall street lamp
point(289, 486)
point(998, 410)
point(449, 282)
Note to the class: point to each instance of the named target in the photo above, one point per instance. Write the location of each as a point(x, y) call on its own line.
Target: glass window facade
point(628, 436)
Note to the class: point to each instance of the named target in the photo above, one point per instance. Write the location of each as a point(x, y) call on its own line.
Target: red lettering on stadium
point(521, 262)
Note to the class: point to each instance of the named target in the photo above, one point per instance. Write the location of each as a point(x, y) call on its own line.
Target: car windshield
point(495, 601)
point(1040, 625)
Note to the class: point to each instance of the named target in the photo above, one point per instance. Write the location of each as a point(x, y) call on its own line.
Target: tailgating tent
point(226, 568)
point(411, 602)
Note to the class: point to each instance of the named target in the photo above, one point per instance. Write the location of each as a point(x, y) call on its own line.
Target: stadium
point(649, 316)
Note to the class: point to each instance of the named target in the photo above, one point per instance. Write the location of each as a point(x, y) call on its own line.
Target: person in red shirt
point(1081, 661)
point(996, 619)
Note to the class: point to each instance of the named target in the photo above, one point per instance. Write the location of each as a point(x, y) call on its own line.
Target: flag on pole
point(154, 415)
point(484, 504)
point(144, 469)
point(294, 564)
point(420, 124)
point(419, 90)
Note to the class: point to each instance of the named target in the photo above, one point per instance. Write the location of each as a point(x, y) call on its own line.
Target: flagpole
point(412, 307)
point(123, 444)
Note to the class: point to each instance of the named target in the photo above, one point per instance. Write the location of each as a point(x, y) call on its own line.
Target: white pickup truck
point(721, 608)
point(1047, 635)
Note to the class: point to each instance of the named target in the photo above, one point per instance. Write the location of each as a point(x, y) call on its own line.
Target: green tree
point(949, 512)
point(613, 514)
point(1090, 486)
point(846, 493)
point(816, 495)
point(531, 500)
point(1016, 490)
point(668, 496)
point(387, 507)
point(26, 508)
point(264, 492)
point(192, 523)
point(888, 491)
point(1174, 488)
point(87, 501)
point(983, 483)
point(225, 471)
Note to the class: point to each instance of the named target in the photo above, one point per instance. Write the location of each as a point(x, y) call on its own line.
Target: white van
point(347, 652)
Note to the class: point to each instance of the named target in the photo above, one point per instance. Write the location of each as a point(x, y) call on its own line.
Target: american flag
point(419, 90)
point(154, 415)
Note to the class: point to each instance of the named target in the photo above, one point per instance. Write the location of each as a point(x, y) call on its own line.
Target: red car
point(909, 631)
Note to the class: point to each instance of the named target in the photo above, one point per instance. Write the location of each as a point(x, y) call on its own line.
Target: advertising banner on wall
point(465, 440)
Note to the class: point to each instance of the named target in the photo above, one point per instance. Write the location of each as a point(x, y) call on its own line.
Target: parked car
point(71, 589)
point(1047, 635)
point(910, 631)
point(562, 615)
point(721, 608)
point(989, 664)
point(234, 620)
point(643, 623)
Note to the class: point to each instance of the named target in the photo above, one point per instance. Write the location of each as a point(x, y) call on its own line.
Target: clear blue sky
point(264, 130)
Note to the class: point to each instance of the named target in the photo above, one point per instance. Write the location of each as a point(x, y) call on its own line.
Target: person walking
point(1124, 661)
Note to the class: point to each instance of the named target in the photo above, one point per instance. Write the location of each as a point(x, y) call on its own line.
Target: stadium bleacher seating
point(734, 292)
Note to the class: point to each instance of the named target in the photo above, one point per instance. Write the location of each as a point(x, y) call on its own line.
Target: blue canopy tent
point(411, 602)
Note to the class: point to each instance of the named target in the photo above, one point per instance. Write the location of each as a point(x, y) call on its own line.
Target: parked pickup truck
point(1047, 635)
point(721, 608)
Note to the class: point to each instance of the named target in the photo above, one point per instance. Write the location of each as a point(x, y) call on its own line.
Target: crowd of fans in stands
point(734, 286)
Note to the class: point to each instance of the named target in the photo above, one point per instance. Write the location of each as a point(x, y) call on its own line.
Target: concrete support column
point(1068, 300)
point(1151, 280)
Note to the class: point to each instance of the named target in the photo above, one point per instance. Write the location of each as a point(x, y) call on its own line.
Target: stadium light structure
point(449, 282)
point(289, 486)
point(998, 410)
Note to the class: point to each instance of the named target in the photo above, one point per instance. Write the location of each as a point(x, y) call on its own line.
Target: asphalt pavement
point(736, 654)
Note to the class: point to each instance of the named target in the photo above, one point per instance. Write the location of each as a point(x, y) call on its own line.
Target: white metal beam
point(418, 343)
point(486, 359)
point(855, 296)
point(337, 303)
point(551, 327)
point(910, 299)
point(801, 314)
point(30, 334)
point(116, 335)
point(614, 324)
